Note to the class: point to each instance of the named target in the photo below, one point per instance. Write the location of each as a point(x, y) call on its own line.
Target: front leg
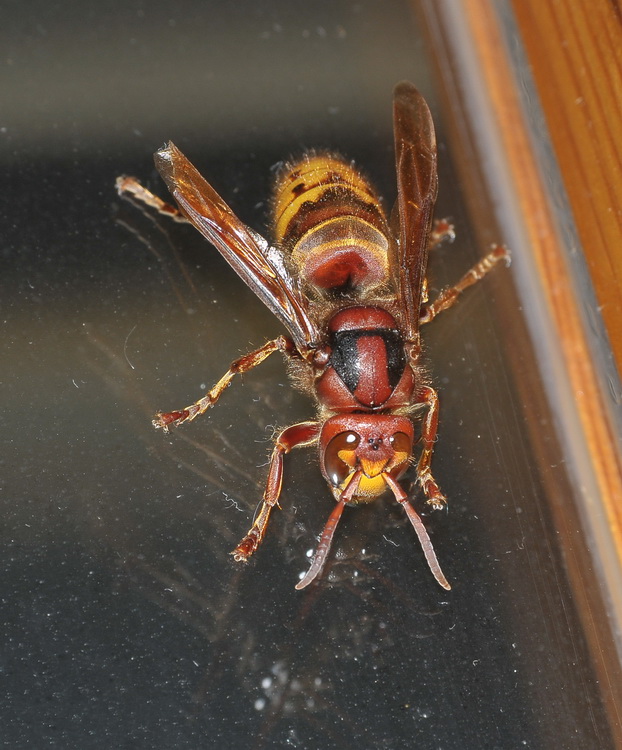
point(303, 433)
point(240, 366)
point(435, 497)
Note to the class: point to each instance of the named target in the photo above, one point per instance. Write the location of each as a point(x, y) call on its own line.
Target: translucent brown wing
point(262, 267)
point(417, 185)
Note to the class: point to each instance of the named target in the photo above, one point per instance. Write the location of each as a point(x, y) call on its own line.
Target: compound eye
point(340, 457)
point(402, 445)
point(400, 442)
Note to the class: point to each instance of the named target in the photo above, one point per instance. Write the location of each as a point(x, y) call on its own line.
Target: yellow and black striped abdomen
point(328, 217)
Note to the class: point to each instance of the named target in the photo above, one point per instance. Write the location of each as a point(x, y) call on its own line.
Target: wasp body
point(352, 295)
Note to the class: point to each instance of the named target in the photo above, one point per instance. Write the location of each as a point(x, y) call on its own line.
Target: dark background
point(125, 622)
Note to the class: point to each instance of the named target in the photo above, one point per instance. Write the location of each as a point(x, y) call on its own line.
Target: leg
point(449, 296)
point(132, 185)
point(428, 434)
point(295, 436)
point(240, 366)
point(441, 230)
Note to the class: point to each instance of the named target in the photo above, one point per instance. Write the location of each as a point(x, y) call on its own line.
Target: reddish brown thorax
point(367, 366)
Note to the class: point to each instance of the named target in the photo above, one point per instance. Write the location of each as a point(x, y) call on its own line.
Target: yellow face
point(374, 456)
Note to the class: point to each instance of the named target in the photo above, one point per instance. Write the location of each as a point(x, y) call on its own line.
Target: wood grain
point(575, 52)
point(592, 178)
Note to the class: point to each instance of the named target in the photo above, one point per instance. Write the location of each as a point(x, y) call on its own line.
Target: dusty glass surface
point(125, 621)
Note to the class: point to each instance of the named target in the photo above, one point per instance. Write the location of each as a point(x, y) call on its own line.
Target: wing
point(262, 267)
point(417, 185)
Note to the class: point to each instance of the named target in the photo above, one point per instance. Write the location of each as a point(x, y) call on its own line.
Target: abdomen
point(327, 215)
